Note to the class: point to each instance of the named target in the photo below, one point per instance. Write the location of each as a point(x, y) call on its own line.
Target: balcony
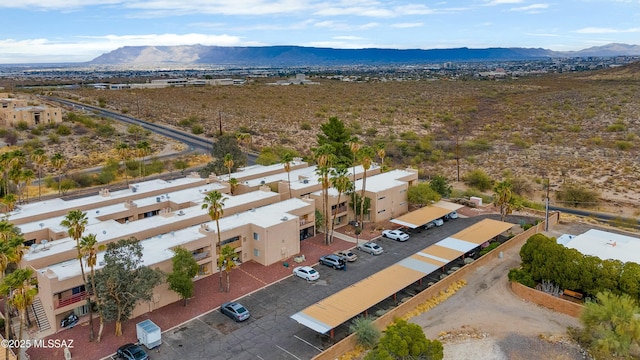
point(338, 210)
point(200, 255)
point(233, 244)
point(71, 299)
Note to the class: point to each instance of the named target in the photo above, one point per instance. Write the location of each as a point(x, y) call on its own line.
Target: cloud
point(502, 2)
point(531, 8)
point(407, 25)
point(597, 30)
point(348, 37)
point(542, 34)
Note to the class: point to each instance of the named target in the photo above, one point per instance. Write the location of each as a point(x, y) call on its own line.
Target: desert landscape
point(580, 128)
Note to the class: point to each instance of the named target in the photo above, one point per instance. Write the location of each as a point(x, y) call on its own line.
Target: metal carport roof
point(421, 216)
point(338, 308)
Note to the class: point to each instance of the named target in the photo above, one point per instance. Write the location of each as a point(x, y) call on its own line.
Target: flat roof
point(375, 183)
point(421, 216)
point(256, 170)
point(607, 245)
point(338, 308)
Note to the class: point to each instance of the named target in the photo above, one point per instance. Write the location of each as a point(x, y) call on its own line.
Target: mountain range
point(314, 56)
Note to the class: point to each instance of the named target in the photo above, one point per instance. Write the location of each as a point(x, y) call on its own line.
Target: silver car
point(235, 311)
point(371, 248)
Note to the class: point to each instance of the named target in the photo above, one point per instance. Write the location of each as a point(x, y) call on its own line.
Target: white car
point(306, 272)
point(438, 222)
point(371, 248)
point(452, 215)
point(397, 235)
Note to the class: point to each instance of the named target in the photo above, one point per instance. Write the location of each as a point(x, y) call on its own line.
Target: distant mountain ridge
point(306, 56)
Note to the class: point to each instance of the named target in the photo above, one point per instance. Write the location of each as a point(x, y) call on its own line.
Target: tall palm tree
point(123, 153)
point(324, 158)
point(57, 161)
point(143, 149)
point(214, 203)
point(286, 159)
point(20, 287)
point(11, 247)
point(17, 160)
point(227, 260)
point(89, 250)
point(228, 163)
point(76, 222)
point(39, 158)
point(354, 145)
point(5, 157)
point(27, 177)
point(342, 183)
point(366, 154)
point(382, 153)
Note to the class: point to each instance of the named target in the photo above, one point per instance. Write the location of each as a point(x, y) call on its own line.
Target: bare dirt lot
point(486, 320)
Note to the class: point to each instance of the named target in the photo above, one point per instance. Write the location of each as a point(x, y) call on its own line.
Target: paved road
point(270, 334)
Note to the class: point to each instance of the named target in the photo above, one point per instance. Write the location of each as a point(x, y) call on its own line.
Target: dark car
point(332, 260)
point(131, 352)
point(235, 311)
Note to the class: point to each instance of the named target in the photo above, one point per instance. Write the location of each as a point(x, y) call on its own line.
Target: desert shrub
point(155, 167)
point(305, 125)
point(404, 340)
point(492, 245)
point(22, 125)
point(197, 129)
point(105, 130)
point(623, 145)
point(367, 334)
point(575, 195)
point(54, 138)
point(36, 131)
point(63, 130)
point(50, 182)
point(82, 180)
point(617, 127)
point(522, 277)
point(478, 179)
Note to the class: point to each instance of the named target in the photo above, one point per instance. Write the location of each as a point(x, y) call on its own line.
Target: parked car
point(397, 235)
point(438, 222)
point(332, 260)
point(348, 255)
point(131, 352)
point(371, 248)
point(306, 272)
point(430, 225)
point(452, 215)
point(235, 311)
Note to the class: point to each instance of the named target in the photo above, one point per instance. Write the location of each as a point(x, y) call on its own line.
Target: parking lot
point(270, 333)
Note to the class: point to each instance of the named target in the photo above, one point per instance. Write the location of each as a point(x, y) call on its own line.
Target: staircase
point(36, 311)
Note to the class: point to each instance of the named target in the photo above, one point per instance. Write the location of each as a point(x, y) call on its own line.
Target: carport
point(329, 313)
point(421, 216)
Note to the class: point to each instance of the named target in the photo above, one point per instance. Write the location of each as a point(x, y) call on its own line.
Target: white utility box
point(149, 334)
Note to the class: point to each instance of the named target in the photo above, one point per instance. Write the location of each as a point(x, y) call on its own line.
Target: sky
point(55, 31)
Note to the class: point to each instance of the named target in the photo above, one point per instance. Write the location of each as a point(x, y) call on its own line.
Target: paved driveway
point(270, 333)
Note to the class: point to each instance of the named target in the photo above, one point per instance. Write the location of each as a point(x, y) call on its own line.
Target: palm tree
point(505, 199)
point(228, 163)
point(340, 181)
point(39, 158)
point(76, 222)
point(20, 287)
point(123, 153)
point(57, 161)
point(214, 203)
point(5, 157)
point(325, 157)
point(143, 149)
point(27, 176)
point(233, 184)
point(354, 146)
point(381, 154)
point(366, 154)
point(89, 252)
point(17, 160)
point(11, 247)
point(286, 159)
point(9, 200)
point(227, 260)
point(244, 138)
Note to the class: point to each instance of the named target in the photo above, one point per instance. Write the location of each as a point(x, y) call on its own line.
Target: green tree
point(366, 154)
point(354, 146)
point(214, 203)
point(611, 324)
point(440, 185)
point(11, 249)
point(228, 163)
point(286, 160)
point(227, 260)
point(123, 281)
point(143, 148)
point(184, 268)
point(576, 195)
point(76, 222)
point(181, 165)
point(478, 179)
point(628, 282)
point(422, 194)
point(123, 154)
point(403, 340)
point(223, 145)
point(505, 199)
point(21, 289)
point(336, 134)
point(89, 250)
point(382, 153)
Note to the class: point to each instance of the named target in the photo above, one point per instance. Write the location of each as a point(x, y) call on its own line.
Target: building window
point(256, 252)
point(381, 198)
point(403, 203)
point(381, 211)
point(256, 236)
point(230, 240)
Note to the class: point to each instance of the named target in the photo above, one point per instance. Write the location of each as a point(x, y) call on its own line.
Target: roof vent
point(305, 181)
point(284, 218)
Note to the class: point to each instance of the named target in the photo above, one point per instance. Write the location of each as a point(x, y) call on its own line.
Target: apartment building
point(262, 225)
